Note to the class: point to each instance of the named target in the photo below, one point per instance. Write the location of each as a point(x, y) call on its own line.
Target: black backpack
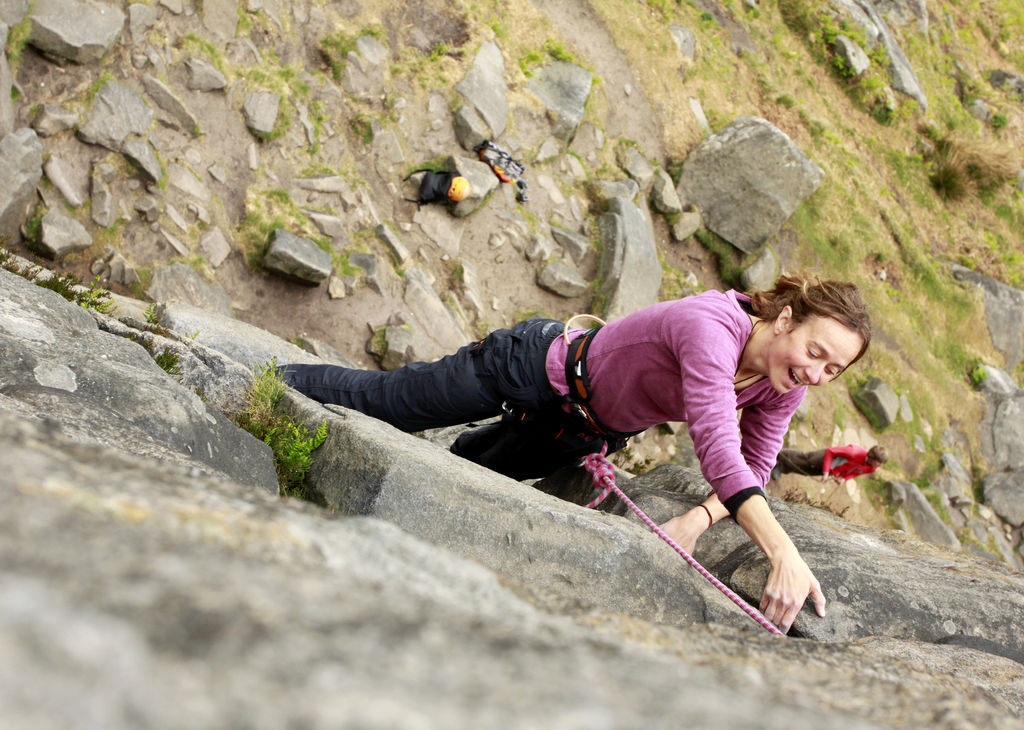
point(433, 187)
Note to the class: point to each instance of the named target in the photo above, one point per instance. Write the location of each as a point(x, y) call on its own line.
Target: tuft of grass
point(292, 443)
point(961, 167)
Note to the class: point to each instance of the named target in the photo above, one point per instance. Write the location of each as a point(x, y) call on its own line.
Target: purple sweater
point(675, 361)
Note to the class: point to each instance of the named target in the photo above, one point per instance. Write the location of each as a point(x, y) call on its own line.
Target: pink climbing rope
point(604, 479)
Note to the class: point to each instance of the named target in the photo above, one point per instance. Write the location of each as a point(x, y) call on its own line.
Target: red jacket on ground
point(846, 462)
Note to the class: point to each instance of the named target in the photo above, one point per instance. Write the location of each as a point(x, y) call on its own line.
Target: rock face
point(747, 180)
point(148, 567)
point(133, 511)
point(98, 388)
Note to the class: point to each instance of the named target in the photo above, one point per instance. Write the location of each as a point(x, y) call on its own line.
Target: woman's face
point(813, 352)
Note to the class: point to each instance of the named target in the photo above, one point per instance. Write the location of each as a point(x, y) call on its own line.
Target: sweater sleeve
point(763, 427)
point(709, 346)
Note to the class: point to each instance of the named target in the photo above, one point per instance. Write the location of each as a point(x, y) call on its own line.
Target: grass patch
point(961, 167)
point(292, 443)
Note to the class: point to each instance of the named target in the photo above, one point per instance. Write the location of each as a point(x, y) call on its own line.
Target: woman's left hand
point(686, 528)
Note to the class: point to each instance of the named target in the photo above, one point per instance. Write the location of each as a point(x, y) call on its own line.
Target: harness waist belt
point(579, 385)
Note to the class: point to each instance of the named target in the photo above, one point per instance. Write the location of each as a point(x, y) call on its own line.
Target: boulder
point(260, 111)
point(180, 283)
point(747, 180)
point(1004, 493)
point(926, 521)
point(117, 112)
point(563, 89)
point(21, 168)
point(78, 30)
point(630, 270)
point(878, 402)
point(1004, 313)
point(484, 88)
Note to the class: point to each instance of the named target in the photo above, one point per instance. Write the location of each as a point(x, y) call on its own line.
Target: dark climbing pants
point(506, 368)
point(808, 463)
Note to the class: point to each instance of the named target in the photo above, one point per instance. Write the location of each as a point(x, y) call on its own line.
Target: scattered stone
point(184, 180)
point(176, 218)
point(548, 151)
point(575, 244)
point(685, 40)
point(141, 18)
point(179, 248)
point(1008, 80)
point(140, 153)
point(260, 111)
point(664, 197)
point(630, 270)
point(539, 248)
point(53, 119)
point(103, 206)
point(297, 258)
point(390, 239)
point(59, 236)
point(562, 280)
point(149, 207)
point(1004, 493)
point(329, 225)
point(906, 412)
point(980, 110)
point(204, 77)
point(58, 175)
point(698, 115)
point(635, 165)
point(372, 50)
point(470, 127)
point(166, 99)
point(117, 112)
point(1004, 314)
point(762, 271)
point(368, 262)
point(688, 223)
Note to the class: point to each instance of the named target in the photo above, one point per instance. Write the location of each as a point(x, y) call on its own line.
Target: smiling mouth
point(794, 379)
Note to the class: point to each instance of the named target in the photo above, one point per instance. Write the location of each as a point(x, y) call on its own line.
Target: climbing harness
point(604, 479)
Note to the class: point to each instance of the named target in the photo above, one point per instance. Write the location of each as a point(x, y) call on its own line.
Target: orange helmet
point(459, 189)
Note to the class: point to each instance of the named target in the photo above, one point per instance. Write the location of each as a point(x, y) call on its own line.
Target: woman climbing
point(566, 392)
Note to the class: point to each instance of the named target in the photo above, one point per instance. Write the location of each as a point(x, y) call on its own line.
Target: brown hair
point(878, 454)
point(811, 297)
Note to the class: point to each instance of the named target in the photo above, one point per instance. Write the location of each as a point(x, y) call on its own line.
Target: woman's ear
point(784, 322)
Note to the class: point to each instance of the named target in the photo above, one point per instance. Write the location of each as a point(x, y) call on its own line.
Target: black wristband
point(733, 503)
